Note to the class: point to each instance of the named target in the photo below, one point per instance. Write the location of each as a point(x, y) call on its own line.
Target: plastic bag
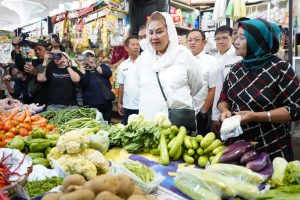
point(231, 127)
point(99, 141)
point(191, 183)
point(118, 169)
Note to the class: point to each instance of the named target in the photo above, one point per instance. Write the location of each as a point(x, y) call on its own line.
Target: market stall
point(156, 158)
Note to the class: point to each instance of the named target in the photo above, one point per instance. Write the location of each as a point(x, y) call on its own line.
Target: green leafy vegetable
point(279, 165)
point(36, 188)
point(115, 134)
point(291, 171)
point(140, 134)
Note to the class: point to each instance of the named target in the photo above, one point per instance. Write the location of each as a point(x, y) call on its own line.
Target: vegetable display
point(74, 157)
point(101, 187)
point(59, 117)
point(243, 153)
point(199, 149)
point(36, 188)
point(20, 124)
point(142, 171)
point(222, 181)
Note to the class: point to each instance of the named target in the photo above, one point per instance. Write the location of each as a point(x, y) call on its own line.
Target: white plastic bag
point(231, 127)
point(99, 141)
point(118, 169)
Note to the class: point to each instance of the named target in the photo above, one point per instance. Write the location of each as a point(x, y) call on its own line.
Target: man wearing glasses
point(226, 57)
point(204, 99)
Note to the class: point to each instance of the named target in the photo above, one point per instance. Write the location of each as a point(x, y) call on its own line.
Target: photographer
point(53, 43)
point(95, 84)
point(19, 90)
point(26, 64)
point(61, 79)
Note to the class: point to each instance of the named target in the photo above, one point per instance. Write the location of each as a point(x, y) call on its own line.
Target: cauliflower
point(54, 154)
point(97, 159)
point(72, 142)
point(77, 164)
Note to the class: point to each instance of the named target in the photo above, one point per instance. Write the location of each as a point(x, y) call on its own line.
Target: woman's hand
point(225, 114)
point(247, 116)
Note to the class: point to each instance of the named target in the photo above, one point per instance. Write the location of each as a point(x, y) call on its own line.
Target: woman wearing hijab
point(175, 65)
point(263, 89)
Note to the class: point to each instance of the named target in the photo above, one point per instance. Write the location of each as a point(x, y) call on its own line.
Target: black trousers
point(202, 124)
point(106, 110)
point(128, 112)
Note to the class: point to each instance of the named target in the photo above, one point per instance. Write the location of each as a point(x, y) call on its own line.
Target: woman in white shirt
point(179, 72)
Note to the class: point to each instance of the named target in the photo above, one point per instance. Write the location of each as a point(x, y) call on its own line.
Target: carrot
point(40, 121)
point(35, 117)
point(28, 113)
point(27, 119)
point(22, 117)
point(12, 115)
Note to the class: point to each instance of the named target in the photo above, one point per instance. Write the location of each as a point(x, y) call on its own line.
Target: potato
point(53, 196)
point(150, 197)
point(106, 195)
point(102, 183)
point(137, 197)
point(126, 188)
point(138, 190)
point(78, 195)
point(75, 179)
point(72, 188)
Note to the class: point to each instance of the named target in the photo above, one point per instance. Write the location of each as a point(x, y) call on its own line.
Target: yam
point(126, 186)
point(53, 196)
point(137, 190)
point(103, 183)
point(137, 197)
point(78, 195)
point(106, 195)
point(75, 179)
point(150, 197)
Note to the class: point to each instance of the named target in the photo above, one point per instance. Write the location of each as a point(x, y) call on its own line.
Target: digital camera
point(56, 56)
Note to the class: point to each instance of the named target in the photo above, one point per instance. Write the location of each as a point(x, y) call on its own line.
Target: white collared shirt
point(211, 68)
point(225, 60)
point(127, 76)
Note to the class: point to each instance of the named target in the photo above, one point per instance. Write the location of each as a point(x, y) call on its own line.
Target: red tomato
point(14, 130)
point(8, 124)
point(1, 127)
point(23, 132)
point(50, 127)
point(2, 136)
point(2, 132)
point(9, 135)
point(26, 126)
point(3, 143)
point(15, 122)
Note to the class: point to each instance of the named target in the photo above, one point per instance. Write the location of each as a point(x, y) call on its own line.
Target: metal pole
point(290, 31)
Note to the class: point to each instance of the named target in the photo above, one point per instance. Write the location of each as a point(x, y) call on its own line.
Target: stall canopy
point(16, 13)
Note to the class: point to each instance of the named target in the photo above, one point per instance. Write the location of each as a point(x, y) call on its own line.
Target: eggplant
point(237, 144)
point(259, 163)
point(267, 172)
point(249, 156)
point(236, 153)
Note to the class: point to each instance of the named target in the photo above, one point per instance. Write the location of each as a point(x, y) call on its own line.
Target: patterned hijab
point(262, 42)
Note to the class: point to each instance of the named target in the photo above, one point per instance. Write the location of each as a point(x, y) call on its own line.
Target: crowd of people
point(158, 75)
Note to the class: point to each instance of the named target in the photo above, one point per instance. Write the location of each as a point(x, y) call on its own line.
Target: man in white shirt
point(226, 57)
point(203, 100)
point(129, 92)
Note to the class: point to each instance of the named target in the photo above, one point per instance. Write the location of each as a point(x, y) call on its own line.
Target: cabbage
point(291, 172)
point(99, 141)
point(279, 165)
point(162, 119)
